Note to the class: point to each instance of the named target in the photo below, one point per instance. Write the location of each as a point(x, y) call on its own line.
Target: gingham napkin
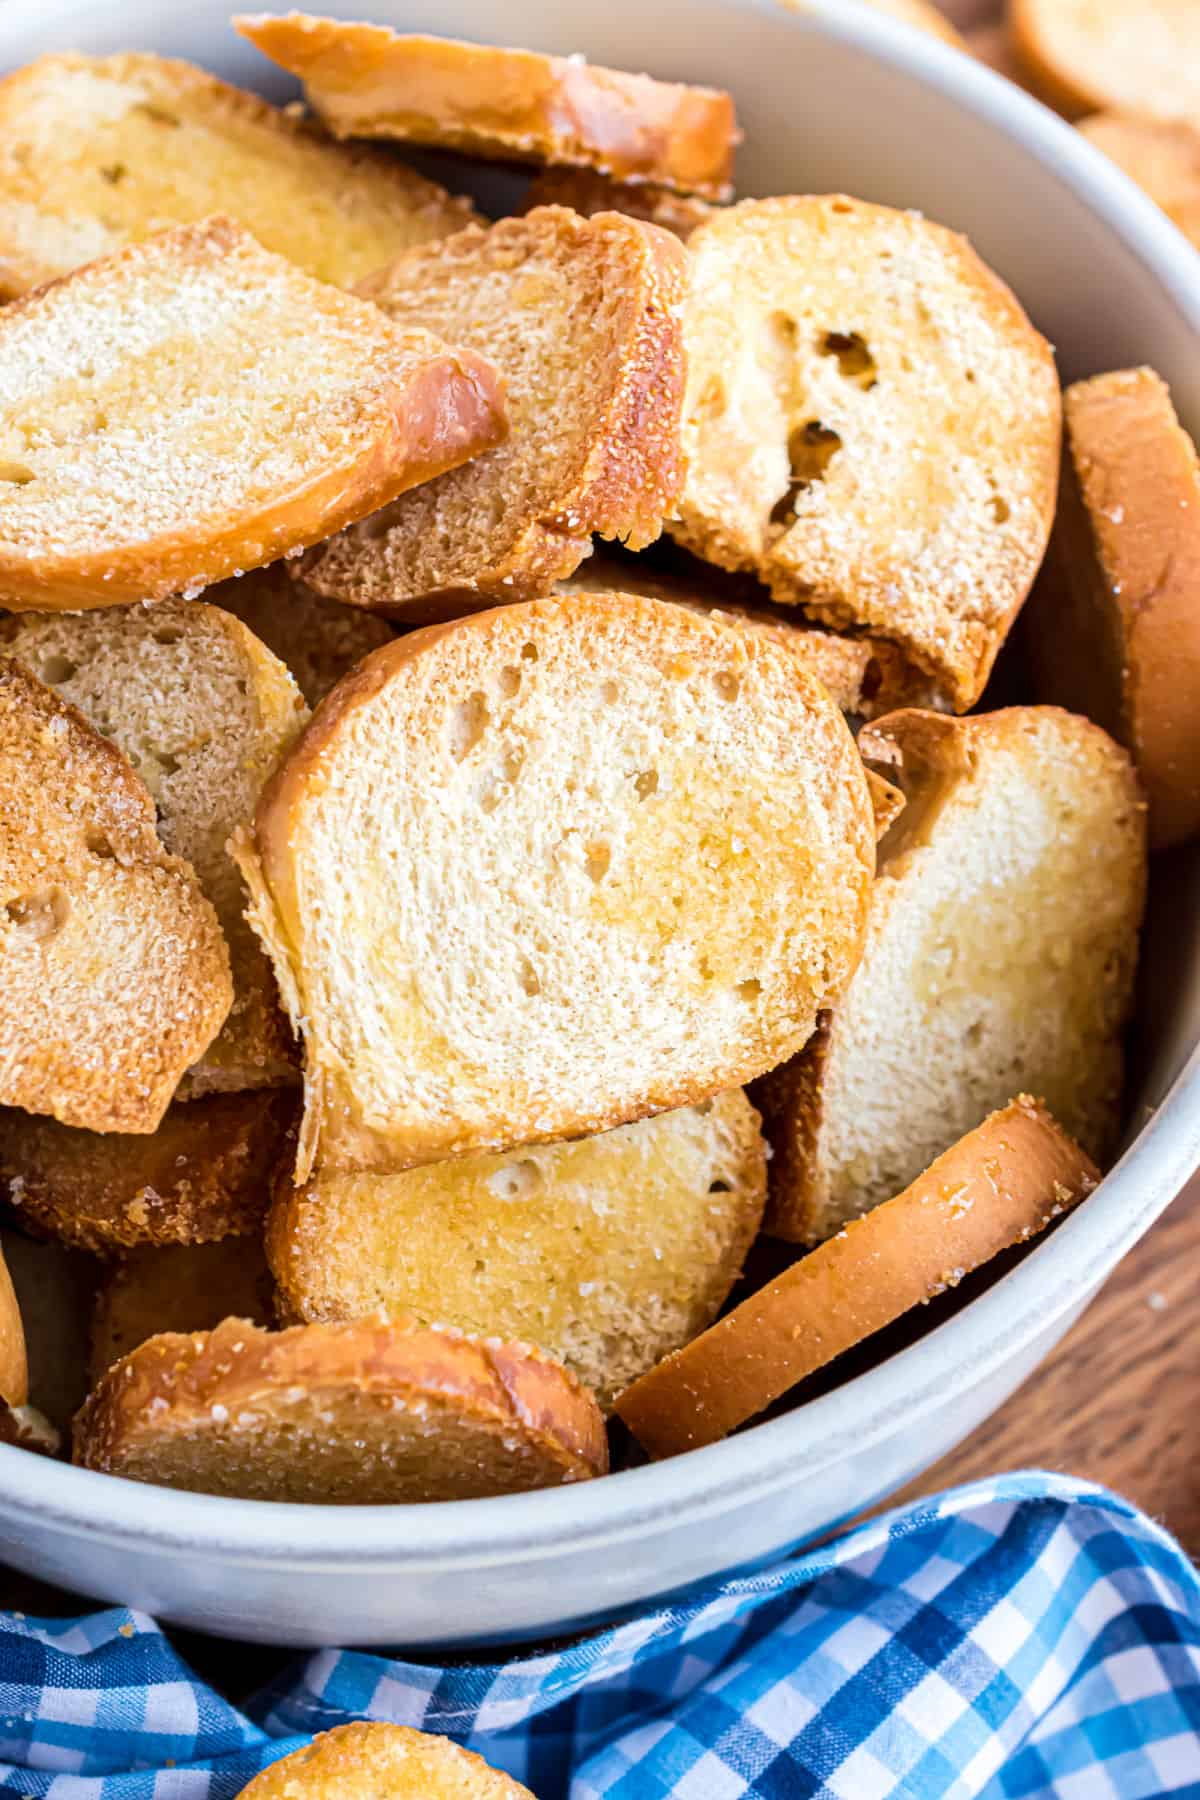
point(1030, 1636)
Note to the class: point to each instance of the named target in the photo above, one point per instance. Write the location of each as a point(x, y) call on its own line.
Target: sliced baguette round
point(999, 1185)
point(114, 975)
point(1114, 626)
point(97, 152)
point(365, 1413)
point(205, 1173)
point(195, 405)
point(492, 931)
point(586, 192)
point(388, 1762)
point(1000, 954)
point(204, 712)
point(607, 1252)
point(1161, 155)
point(367, 81)
point(319, 640)
point(582, 318)
point(1136, 55)
point(872, 426)
point(178, 1287)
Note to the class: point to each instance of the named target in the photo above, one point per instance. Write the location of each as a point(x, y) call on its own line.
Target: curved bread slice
point(607, 1252)
point(1114, 626)
point(872, 426)
point(114, 976)
point(367, 1413)
point(997, 1186)
point(318, 639)
point(582, 317)
point(205, 1173)
point(389, 1762)
point(1000, 953)
point(367, 81)
point(14, 1368)
point(1137, 55)
point(1161, 155)
point(195, 405)
point(586, 192)
point(178, 1287)
point(97, 152)
point(204, 712)
point(865, 676)
point(492, 931)
point(55, 1289)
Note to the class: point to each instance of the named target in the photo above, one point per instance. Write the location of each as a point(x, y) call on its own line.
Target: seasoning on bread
point(367, 81)
point(1114, 627)
point(205, 1173)
point(871, 426)
point(583, 319)
point(182, 1287)
point(204, 712)
point(999, 1185)
point(389, 1762)
point(607, 1252)
point(114, 976)
point(1000, 953)
point(195, 405)
point(616, 857)
point(97, 152)
point(365, 1413)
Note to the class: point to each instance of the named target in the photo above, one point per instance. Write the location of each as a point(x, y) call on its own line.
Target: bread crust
point(78, 852)
point(1087, 55)
point(205, 1173)
point(14, 1367)
point(390, 1762)
point(268, 861)
point(181, 1287)
point(589, 193)
point(998, 1186)
point(437, 408)
point(368, 81)
point(169, 1387)
point(1114, 629)
point(79, 203)
point(621, 482)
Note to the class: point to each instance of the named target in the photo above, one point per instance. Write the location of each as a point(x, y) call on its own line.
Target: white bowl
point(832, 96)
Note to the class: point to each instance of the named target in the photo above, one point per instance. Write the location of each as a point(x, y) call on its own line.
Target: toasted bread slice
point(1134, 55)
point(366, 1413)
point(924, 15)
point(205, 1173)
point(318, 639)
point(865, 676)
point(607, 1252)
point(56, 1290)
point(195, 405)
point(586, 192)
point(997, 1186)
point(97, 152)
point(993, 45)
point(531, 934)
point(582, 316)
point(887, 803)
point(366, 81)
point(389, 1762)
point(114, 976)
point(872, 426)
point(178, 1287)
point(1161, 155)
point(1000, 953)
point(1114, 626)
point(14, 1368)
point(204, 712)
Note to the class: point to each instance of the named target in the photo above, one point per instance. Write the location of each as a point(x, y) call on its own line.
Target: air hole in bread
point(16, 474)
point(703, 1108)
point(529, 653)
point(783, 330)
point(113, 173)
point(1001, 510)
point(811, 448)
point(714, 398)
point(167, 634)
point(57, 668)
point(974, 1032)
point(167, 763)
point(515, 1181)
point(468, 722)
point(719, 1187)
point(41, 914)
point(705, 968)
point(528, 978)
point(610, 693)
point(749, 990)
point(159, 114)
point(509, 682)
point(646, 784)
point(854, 359)
point(841, 206)
point(599, 856)
point(100, 845)
point(727, 684)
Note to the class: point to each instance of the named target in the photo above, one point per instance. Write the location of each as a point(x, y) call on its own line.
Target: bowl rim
point(1053, 1278)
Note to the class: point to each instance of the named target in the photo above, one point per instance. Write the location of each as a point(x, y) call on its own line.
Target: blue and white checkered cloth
point(1030, 1636)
